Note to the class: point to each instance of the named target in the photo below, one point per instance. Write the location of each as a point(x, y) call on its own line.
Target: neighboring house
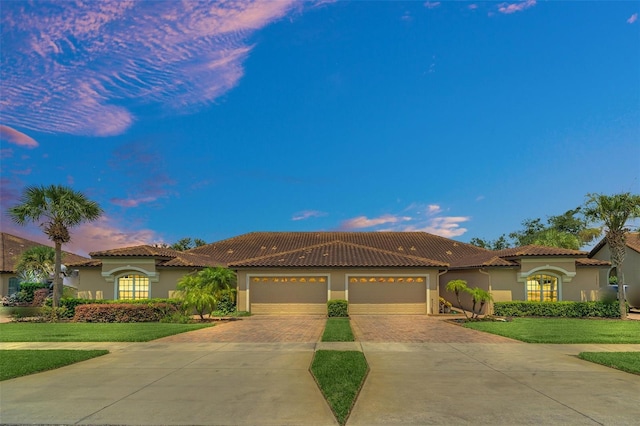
point(11, 248)
point(630, 268)
point(377, 272)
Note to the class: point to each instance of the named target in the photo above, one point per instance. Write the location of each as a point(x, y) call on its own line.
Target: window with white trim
point(133, 286)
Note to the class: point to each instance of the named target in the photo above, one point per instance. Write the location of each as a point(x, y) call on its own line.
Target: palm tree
point(55, 208)
point(203, 290)
point(458, 286)
point(614, 211)
point(36, 264)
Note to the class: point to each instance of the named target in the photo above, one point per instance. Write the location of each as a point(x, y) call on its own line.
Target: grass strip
point(563, 330)
point(19, 362)
point(337, 330)
point(625, 361)
point(340, 375)
point(91, 332)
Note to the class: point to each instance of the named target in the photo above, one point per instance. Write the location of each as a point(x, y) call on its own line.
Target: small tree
point(479, 296)
point(203, 290)
point(614, 211)
point(36, 264)
point(458, 286)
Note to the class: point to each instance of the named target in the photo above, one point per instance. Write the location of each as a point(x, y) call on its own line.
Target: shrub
point(122, 312)
point(227, 304)
point(27, 290)
point(557, 309)
point(40, 297)
point(337, 308)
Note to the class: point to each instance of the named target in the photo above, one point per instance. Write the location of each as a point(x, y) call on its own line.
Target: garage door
point(288, 294)
point(387, 295)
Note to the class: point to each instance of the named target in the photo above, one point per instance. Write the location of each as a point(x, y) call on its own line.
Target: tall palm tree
point(614, 211)
point(36, 264)
point(55, 208)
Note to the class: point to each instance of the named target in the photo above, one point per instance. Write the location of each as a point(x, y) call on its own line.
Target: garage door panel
point(387, 308)
point(389, 293)
point(271, 292)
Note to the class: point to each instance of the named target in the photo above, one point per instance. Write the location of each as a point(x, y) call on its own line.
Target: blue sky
point(212, 119)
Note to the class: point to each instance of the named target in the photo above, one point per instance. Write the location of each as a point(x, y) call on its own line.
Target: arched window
point(133, 286)
point(543, 288)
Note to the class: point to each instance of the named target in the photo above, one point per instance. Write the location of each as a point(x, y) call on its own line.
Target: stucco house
point(11, 248)
point(630, 268)
point(377, 272)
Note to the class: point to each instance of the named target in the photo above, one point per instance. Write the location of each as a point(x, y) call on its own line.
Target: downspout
point(490, 304)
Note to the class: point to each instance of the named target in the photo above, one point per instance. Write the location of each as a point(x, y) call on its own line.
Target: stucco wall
point(338, 287)
point(630, 270)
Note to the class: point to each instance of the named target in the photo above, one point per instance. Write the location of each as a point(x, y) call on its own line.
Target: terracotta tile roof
point(12, 247)
point(534, 250)
point(483, 260)
point(338, 254)
point(189, 259)
point(261, 244)
point(592, 262)
point(137, 251)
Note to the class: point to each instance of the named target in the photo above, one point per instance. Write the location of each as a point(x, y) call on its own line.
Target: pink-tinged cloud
point(432, 4)
point(508, 8)
point(6, 153)
point(132, 202)
point(307, 214)
point(71, 66)
point(633, 18)
point(433, 209)
point(23, 172)
point(446, 226)
point(17, 138)
point(105, 234)
point(364, 222)
point(473, 6)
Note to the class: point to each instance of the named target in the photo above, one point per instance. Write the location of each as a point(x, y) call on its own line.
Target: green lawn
point(16, 363)
point(91, 332)
point(337, 330)
point(563, 330)
point(340, 375)
point(625, 361)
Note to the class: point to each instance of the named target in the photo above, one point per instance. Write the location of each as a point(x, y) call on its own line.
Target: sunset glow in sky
point(212, 119)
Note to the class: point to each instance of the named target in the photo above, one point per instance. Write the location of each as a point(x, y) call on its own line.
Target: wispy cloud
point(106, 233)
point(423, 217)
point(508, 8)
point(364, 222)
point(307, 214)
point(15, 137)
point(143, 168)
point(6, 153)
point(431, 4)
point(473, 6)
point(69, 67)
point(633, 18)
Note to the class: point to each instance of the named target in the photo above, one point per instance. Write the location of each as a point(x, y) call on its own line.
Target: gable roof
point(137, 251)
point(632, 241)
point(338, 254)
point(12, 247)
point(435, 250)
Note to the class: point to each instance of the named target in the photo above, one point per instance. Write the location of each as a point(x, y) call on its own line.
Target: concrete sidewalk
point(497, 384)
point(171, 384)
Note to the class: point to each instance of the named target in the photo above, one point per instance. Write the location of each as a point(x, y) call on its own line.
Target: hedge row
point(71, 303)
point(123, 312)
point(338, 308)
point(557, 309)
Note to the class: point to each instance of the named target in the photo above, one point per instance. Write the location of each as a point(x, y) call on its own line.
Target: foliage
point(337, 308)
point(478, 297)
point(556, 309)
point(40, 297)
point(625, 361)
point(36, 264)
point(226, 304)
point(614, 211)
point(569, 230)
point(185, 244)
point(55, 208)
point(340, 375)
point(70, 303)
point(203, 290)
point(338, 330)
point(457, 287)
point(563, 330)
point(91, 332)
point(444, 305)
point(19, 362)
point(27, 291)
point(122, 312)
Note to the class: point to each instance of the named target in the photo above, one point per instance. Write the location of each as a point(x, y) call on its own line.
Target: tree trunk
point(617, 247)
point(57, 276)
